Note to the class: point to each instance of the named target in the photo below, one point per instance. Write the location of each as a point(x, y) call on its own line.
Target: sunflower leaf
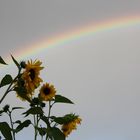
point(18, 121)
point(42, 131)
point(33, 111)
point(59, 120)
point(15, 61)
point(5, 130)
point(2, 61)
point(26, 123)
point(7, 79)
point(57, 134)
point(62, 99)
point(65, 119)
point(1, 111)
point(14, 108)
point(45, 119)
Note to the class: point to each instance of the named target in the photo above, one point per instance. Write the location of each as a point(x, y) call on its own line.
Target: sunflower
point(47, 92)
point(71, 125)
point(21, 91)
point(31, 75)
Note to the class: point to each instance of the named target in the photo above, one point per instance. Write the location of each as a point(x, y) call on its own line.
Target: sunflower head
point(71, 124)
point(47, 92)
point(31, 75)
point(20, 89)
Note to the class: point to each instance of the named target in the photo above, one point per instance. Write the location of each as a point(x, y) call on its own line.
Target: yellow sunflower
point(72, 125)
point(47, 92)
point(31, 75)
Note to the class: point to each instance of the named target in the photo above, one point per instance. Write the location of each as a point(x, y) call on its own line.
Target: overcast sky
point(100, 73)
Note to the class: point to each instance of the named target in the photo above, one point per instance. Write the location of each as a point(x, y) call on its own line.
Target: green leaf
point(15, 61)
point(14, 108)
point(22, 125)
point(18, 121)
point(62, 99)
point(45, 119)
point(42, 131)
point(5, 130)
point(6, 80)
point(34, 111)
point(57, 134)
point(1, 111)
point(65, 119)
point(2, 61)
point(59, 120)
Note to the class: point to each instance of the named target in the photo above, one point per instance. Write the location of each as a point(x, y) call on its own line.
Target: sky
point(99, 71)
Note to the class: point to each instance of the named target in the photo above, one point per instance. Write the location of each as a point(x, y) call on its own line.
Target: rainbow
point(77, 34)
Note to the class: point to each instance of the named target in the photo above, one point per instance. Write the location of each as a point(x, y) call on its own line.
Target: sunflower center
point(32, 74)
point(46, 91)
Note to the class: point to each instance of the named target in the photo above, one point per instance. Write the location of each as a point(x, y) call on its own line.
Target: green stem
point(47, 137)
point(35, 124)
point(11, 122)
point(49, 109)
point(49, 113)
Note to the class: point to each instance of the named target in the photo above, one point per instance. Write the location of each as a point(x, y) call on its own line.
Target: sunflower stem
point(36, 122)
point(11, 122)
point(49, 109)
point(50, 106)
point(35, 125)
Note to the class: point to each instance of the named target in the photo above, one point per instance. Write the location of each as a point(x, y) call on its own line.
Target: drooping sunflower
point(31, 75)
point(71, 125)
point(21, 90)
point(47, 92)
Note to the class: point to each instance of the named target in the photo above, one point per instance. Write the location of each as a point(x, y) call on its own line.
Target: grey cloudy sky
point(100, 73)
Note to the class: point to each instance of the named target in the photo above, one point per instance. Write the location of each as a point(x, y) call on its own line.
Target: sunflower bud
point(42, 104)
point(6, 108)
point(23, 64)
point(35, 101)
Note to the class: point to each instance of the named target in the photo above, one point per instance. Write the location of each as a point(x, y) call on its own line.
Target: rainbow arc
point(77, 34)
